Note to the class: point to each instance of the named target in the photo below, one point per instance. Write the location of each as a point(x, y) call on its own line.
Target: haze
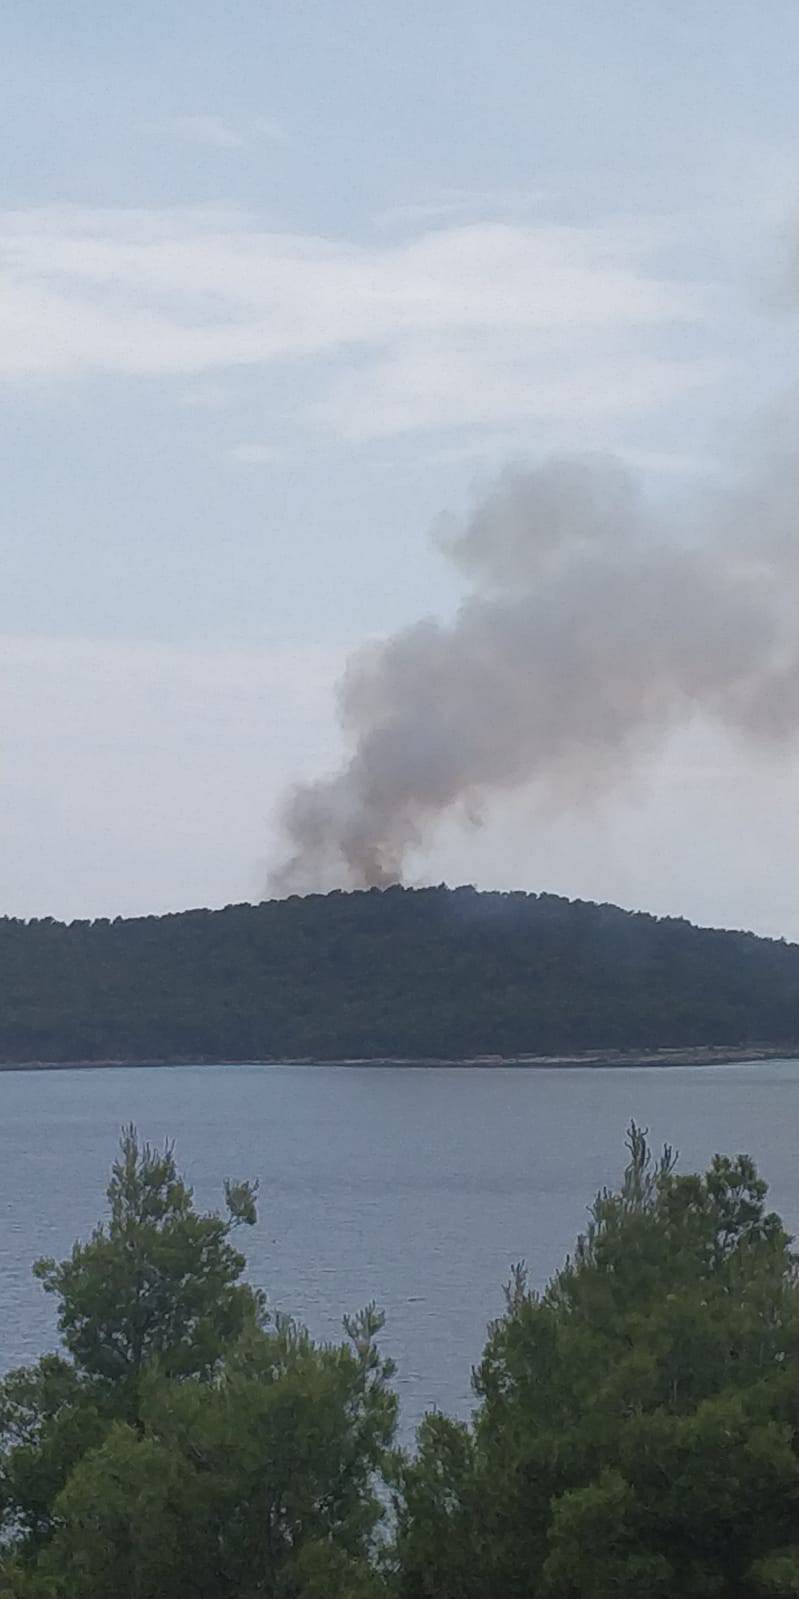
point(281, 288)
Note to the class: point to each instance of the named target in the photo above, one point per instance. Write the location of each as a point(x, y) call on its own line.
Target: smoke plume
point(591, 629)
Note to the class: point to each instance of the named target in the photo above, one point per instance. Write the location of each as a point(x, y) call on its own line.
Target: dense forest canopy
point(436, 972)
point(636, 1428)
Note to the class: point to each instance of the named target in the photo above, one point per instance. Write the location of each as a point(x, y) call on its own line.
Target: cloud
point(211, 131)
point(269, 128)
point(446, 204)
point(255, 454)
point(486, 320)
point(205, 396)
point(139, 776)
point(472, 384)
point(218, 134)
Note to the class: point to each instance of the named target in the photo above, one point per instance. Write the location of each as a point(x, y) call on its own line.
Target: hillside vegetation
point(411, 973)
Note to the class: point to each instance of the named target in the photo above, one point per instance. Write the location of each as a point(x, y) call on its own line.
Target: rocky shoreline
point(698, 1055)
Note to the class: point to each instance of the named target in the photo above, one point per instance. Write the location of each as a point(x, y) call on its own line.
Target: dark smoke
point(592, 630)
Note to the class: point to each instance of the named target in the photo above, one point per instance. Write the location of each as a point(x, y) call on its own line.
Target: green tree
point(159, 1282)
point(637, 1427)
point(635, 1432)
point(186, 1446)
point(156, 1286)
point(49, 1417)
point(262, 1483)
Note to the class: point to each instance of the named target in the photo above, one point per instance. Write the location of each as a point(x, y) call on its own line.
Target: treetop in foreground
point(186, 1445)
point(636, 1429)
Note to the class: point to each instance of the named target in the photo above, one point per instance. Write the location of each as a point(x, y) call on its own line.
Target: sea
point(415, 1187)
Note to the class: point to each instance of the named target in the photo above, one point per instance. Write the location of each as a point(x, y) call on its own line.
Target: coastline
point(698, 1055)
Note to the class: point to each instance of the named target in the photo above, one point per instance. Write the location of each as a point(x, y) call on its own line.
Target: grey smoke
point(592, 629)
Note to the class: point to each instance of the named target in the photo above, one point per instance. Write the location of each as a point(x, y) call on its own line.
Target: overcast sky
point(280, 285)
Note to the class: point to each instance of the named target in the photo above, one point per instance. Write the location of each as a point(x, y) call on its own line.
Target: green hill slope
point(428, 972)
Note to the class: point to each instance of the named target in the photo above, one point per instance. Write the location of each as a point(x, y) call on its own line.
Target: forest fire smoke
point(591, 630)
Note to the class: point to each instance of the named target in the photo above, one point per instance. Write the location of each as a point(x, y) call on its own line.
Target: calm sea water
point(415, 1187)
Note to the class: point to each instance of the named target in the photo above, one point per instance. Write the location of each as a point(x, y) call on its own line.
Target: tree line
point(635, 1432)
point(400, 973)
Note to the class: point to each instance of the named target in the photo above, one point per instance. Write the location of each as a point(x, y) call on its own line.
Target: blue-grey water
point(415, 1187)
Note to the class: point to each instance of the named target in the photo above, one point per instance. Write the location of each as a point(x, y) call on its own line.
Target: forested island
point(411, 974)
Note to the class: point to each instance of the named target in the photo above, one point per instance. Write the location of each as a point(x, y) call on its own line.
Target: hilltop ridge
point(432, 973)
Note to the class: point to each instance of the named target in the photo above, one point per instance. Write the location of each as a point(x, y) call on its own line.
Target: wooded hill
point(433, 972)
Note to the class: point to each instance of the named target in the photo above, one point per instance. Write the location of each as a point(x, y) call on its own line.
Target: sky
point(280, 288)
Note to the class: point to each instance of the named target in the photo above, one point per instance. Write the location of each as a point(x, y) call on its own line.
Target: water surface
point(417, 1187)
